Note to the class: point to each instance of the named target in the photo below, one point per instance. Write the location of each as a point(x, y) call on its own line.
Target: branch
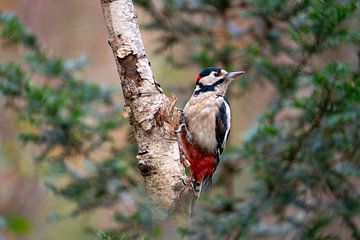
point(152, 115)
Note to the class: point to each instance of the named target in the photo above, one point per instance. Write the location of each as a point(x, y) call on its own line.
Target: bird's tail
point(207, 183)
point(203, 186)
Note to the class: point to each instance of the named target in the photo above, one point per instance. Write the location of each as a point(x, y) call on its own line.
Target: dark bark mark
point(146, 169)
point(143, 153)
point(131, 78)
point(158, 86)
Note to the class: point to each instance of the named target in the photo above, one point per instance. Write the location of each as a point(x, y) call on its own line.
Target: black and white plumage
point(222, 126)
point(208, 123)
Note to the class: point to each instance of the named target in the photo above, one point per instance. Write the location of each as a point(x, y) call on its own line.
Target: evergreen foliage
point(69, 121)
point(304, 150)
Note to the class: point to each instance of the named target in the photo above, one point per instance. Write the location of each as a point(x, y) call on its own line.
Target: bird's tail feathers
point(206, 184)
point(203, 186)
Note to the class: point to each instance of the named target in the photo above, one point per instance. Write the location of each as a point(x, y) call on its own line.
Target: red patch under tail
point(201, 164)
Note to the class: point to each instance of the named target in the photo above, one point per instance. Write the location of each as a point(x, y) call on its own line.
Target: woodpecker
point(205, 127)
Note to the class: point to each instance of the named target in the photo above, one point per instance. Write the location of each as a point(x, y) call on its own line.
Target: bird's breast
point(200, 113)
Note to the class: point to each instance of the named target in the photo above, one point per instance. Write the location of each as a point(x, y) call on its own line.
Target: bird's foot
point(181, 126)
point(182, 121)
point(179, 130)
point(185, 180)
point(189, 136)
point(183, 159)
point(186, 163)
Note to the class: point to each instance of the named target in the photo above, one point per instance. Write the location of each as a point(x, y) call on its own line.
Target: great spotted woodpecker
point(206, 125)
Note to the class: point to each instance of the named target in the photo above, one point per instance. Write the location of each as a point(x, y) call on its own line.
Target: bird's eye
point(216, 74)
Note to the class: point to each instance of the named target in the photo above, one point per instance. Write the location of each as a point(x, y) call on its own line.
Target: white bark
point(152, 115)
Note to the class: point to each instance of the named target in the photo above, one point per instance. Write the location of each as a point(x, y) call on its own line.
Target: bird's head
point(215, 79)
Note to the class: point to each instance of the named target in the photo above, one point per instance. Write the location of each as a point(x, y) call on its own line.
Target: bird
point(205, 125)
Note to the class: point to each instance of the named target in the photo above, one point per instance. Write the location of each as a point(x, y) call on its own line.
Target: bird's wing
point(223, 124)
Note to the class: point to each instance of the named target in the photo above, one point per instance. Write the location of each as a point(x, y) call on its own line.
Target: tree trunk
point(152, 115)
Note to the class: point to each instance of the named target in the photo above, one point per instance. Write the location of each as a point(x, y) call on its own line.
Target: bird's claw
point(182, 122)
point(186, 163)
point(184, 180)
point(188, 135)
point(183, 159)
point(181, 126)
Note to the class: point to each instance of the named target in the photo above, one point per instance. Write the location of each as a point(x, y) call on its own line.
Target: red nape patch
point(201, 164)
point(198, 78)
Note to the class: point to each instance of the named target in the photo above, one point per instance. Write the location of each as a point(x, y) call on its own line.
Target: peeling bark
point(152, 115)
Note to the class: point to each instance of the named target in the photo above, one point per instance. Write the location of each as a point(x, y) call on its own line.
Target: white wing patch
point(228, 124)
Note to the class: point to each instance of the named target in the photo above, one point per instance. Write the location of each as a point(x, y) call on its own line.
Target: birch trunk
point(152, 115)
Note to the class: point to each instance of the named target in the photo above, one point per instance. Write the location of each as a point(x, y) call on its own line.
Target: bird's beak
point(233, 75)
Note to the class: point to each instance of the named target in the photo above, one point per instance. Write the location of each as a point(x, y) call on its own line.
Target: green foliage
point(17, 224)
point(71, 122)
point(14, 31)
point(304, 150)
point(109, 236)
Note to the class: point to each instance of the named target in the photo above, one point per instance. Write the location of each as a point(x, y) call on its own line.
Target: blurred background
point(68, 30)
point(67, 158)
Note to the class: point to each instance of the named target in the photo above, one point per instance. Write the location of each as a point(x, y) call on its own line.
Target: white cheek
point(209, 80)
